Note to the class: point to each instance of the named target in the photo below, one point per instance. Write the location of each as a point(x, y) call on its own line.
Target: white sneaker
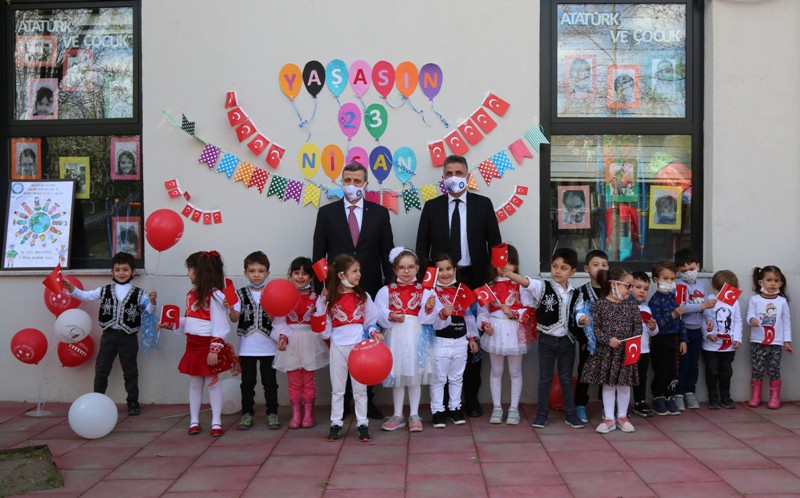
point(513, 417)
point(497, 416)
point(606, 426)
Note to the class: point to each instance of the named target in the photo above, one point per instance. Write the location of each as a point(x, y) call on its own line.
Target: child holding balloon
point(121, 308)
point(404, 306)
point(305, 351)
point(351, 314)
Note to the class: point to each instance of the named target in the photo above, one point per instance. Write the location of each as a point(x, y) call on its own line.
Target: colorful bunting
point(519, 150)
point(258, 179)
point(502, 163)
point(411, 199)
point(390, 201)
point(496, 104)
point(373, 196)
point(436, 150)
point(277, 186)
point(472, 183)
point(470, 132)
point(312, 195)
point(484, 121)
point(488, 171)
point(228, 164)
point(275, 155)
point(258, 144)
point(429, 192)
point(535, 137)
point(293, 191)
point(243, 173)
point(209, 155)
point(334, 192)
point(442, 188)
point(186, 125)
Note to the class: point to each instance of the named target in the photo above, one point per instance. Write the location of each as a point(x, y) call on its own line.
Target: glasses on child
point(627, 285)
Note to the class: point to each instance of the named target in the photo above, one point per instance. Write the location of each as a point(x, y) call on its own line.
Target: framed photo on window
point(43, 98)
point(78, 70)
point(127, 235)
point(623, 87)
point(573, 207)
point(78, 169)
point(580, 76)
point(26, 158)
point(125, 163)
point(621, 178)
point(665, 207)
point(37, 51)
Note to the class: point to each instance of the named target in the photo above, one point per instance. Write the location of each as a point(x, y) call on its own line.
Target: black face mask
point(122, 283)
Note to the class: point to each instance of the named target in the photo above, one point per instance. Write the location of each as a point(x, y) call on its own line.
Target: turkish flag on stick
point(500, 255)
point(485, 295)
point(431, 275)
point(55, 281)
point(646, 317)
point(319, 322)
point(633, 348)
point(321, 269)
point(729, 294)
point(464, 298)
point(230, 293)
point(681, 294)
point(170, 316)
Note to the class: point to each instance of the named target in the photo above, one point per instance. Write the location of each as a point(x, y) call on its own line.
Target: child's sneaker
point(660, 406)
point(625, 425)
point(728, 404)
point(713, 404)
point(574, 422)
point(691, 401)
point(513, 416)
point(642, 409)
point(672, 406)
point(363, 434)
point(335, 433)
point(272, 422)
point(457, 416)
point(606, 426)
point(439, 420)
point(580, 412)
point(246, 422)
point(414, 423)
point(540, 422)
point(133, 408)
point(393, 423)
point(497, 416)
point(678, 401)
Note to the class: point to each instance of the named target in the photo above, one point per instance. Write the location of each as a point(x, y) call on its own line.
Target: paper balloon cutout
point(29, 346)
point(332, 161)
point(336, 78)
point(383, 77)
point(163, 229)
point(290, 80)
point(376, 119)
point(349, 119)
point(405, 163)
point(406, 78)
point(357, 155)
point(380, 162)
point(430, 80)
point(314, 77)
point(360, 77)
point(308, 159)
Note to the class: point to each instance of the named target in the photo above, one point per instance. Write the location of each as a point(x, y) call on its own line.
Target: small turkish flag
point(496, 104)
point(431, 275)
point(187, 210)
point(521, 190)
point(501, 215)
point(206, 217)
point(174, 192)
point(456, 143)
point(321, 269)
point(726, 341)
point(170, 316)
point(275, 155)
point(500, 255)
point(485, 295)
point(245, 131)
point(236, 116)
point(170, 184)
point(633, 348)
point(681, 294)
point(196, 214)
point(483, 120)
point(55, 280)
point(509, 208)
point(230, 293)
point(230, 100)
point(769, 334)
point(470, 132)
point(729, 294)
point(436, 150)
point(258, 144)
point(464, 298)
point(646, 317)
point(216, 216)
point(516, 200)
point(187, 196)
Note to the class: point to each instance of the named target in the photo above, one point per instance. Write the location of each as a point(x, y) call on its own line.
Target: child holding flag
point(721, 341)
point(618, 328)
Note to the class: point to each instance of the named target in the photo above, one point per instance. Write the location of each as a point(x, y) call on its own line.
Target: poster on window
point(39, 224)
point(620, 175)
point(621, 60)
point(573, 207)
point(126, 236)
point(78, 169)
point(665, 208)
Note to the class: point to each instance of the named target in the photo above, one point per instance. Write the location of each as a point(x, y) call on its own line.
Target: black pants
point(554, 351)
point(472, 382)
point(640, 390)
point(250, 366)
point(662, 356)
point(112, 343)
point(719, 370)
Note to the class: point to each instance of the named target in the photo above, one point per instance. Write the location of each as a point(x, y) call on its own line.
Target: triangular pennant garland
point(228, 164)
point(311, 195)
point(411, 199)
point(209, 155)
point(472, 183)
point(373, 196)
point(243, 173)
point(519, 150)
point(258, 179)
point(293, 191)
point(277, 186)
point(488, 171)
point(536, 137)
point(186, 125)
point(429, 192)
point(502, 163)
point(389, 200)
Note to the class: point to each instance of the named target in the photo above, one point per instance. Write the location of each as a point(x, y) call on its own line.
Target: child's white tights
point(414, 395)
point(514, 371)
point(623, 397)
point(196, 384)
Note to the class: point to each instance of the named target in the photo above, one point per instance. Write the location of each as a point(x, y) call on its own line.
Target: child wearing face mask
point(667, 314)
point(697, 316)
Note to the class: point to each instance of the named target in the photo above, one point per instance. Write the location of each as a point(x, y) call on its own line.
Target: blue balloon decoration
point(336, 75)
point(405, 163)
point(380, 162)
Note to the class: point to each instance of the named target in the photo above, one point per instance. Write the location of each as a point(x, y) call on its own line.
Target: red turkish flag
point(485, 295)
point(230, 293)
point(470, 132)
point(216, 216)
point(187, 196)
point(236, 116)
point(437, 152)
point(510, 209)
point(726, 341)
point(464, 298)
point(516, 200)
point(170, 316)
point(483, 120)
point(170, 184)
point(633, 348)
point(521, 190)
point(729, 294)
point(196, 214)
point(55, 280)
point(681, 294)
point(245, 131)
point(500, 255)
point(258, 144)
point(431, 275)
point(769, 334)
point(501, 215)
point(230, 100)
point(275, 155)
point(187, 210)
point(321, 269)
point(496, 104)
point(174, 192)
point(206, 217)
point(646, 317)
point(456, 143)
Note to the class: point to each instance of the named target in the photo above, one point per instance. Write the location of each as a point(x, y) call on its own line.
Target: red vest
point(194, 309)
point(507, 292)
point(301, 313)
point(447, 295)
point(347, 310)
point(405, 299)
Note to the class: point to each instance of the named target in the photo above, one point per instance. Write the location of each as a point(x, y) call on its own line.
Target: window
point(622, 100)
point(73, 112)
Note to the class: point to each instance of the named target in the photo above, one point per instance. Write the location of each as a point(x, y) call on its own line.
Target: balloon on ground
point(231, 396)
point(92, 415)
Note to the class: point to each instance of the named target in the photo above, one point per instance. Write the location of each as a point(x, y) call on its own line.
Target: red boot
point(294, 423)
point(774, 394)
point(755, 401)
point(308, 413)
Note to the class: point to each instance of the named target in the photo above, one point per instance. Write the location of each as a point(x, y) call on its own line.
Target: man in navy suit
point(468, 241)
point(361, 228)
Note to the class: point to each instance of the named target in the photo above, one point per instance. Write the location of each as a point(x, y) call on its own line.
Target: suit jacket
point(483, 232)
point(332, 237)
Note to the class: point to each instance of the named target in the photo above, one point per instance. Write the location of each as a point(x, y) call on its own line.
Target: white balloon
point(231, 396)
point(73, 325)
point(92, 415)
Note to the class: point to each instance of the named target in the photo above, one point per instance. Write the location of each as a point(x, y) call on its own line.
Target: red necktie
point(352, 221)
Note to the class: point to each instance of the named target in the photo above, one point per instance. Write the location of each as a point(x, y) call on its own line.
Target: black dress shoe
point(373, 412)
point(475, 411)
point(133, 409)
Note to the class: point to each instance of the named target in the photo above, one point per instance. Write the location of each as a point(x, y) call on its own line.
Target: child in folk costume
point(306, 351)
point(770, 332)
point(456, 331)
point(616, 318)
point(505, 335)
point(206, 325)
point(639, 291)
point(721, 342)
point(351, 314)
point(404, 306)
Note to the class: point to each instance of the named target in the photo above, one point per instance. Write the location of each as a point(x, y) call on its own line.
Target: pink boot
point(308, 413)
point(755, 401)
point(774, 394)
point(294, 423)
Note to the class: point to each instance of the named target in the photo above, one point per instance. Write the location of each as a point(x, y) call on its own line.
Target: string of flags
point(174, 191)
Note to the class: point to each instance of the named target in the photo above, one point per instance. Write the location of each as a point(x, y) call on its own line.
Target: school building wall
point(194, 51)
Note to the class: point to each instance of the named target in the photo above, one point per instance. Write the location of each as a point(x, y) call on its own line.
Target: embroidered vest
point(588, 293)
point(124, 315)
point(252, 318)
point(302, 311)
point(508, 293)
point(405, 299)
point(458, 326)
point(347, 310)
point(552, 312)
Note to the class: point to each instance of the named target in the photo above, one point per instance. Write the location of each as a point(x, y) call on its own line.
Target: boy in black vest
point(257, 345)
point(121, 308)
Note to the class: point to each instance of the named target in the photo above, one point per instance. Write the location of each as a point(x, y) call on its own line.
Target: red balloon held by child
point(163, 229)
point(279, 297)
point(370, 362)
point(59, 302)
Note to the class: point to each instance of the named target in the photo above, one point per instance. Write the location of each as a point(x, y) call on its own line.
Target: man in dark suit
point(468, 241)
point(361, 228)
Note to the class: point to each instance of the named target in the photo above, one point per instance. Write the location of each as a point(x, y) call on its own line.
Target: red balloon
point(73, 354)
point(370, 362)
point(29, 346)
point(60, 302)
point(279, 297)
point(163, 229)
point(556, 396)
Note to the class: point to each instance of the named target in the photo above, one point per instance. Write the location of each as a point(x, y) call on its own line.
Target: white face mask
point(615, 292)
point(344, 281)
point(665, 287)
point(353, 193)
point(455, 184)
point(689, 276)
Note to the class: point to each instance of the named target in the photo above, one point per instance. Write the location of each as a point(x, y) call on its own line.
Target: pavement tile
point(60, 431)
point(152, 467)
point(512, 452)
point(654, 449)
point(282, 487)
point(84, 458)
point(178, 445)
point(716, 438)
point(142, 423)
point(208, 494)
point(689, 420)
point(521, 474)
point(372, 476)
point(443, 464)
point(78, 481)
point(763, 429)
point(454, 444)
point(22, 438)
point(307, 446)
point(372, 453)
point(227, 456)
point(786, 420)
point(57, 447)
point(314, 466)
point(717, 489)
point(792, 464)
point(732, 458)
point(203, 479)
point(607, 484)
point(586, 440)
point(786, 446)
point(588, 461)
point(522, 491)
point(332, 492)
point(145, 488)
point(424, 486)
point(123, 440)
point(741, 414)
point(672, 470)
point(766, 481)
point(505, 434)
point(24, 423)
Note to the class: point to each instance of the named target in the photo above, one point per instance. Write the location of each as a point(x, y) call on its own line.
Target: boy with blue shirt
point(667, 314)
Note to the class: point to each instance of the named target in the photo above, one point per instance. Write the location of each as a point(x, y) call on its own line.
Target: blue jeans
point(689, 367)
point(554, 350)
